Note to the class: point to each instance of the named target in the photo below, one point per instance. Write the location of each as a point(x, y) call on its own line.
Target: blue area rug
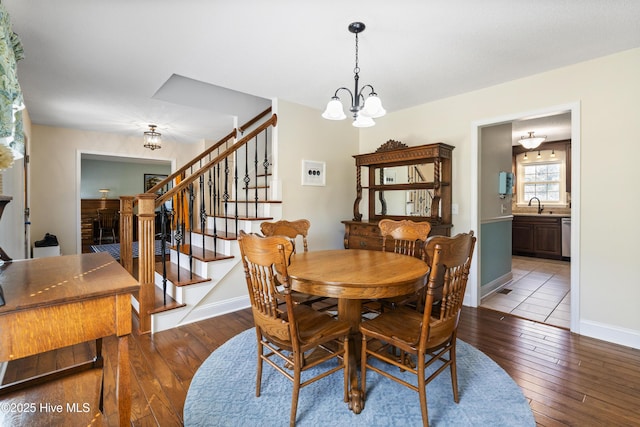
point(222, 393)
point(114, 249)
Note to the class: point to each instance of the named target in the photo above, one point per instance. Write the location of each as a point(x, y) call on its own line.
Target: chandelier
point(530, 142)
point(364, 111)
point(152, 138)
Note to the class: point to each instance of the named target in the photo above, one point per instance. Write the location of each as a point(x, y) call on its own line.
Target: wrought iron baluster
point(191, 199)
point(255, 173)
point(203, 212)
point(225, 196)
point(247, 179)
point(235, 191)
point(266, 165)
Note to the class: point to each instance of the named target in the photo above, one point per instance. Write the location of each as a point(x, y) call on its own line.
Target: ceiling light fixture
point(531, 141)
point(152, 139)
point(364, 111)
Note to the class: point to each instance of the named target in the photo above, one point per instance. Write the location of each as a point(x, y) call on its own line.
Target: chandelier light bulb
point(373, 107)
point(334, 110)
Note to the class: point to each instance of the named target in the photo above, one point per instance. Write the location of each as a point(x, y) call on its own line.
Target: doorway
point(476, 293)
point(108, 176)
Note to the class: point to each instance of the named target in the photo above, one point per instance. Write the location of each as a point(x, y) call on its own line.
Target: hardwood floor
point(568, 379)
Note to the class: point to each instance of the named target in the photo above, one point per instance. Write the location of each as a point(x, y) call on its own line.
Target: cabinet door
point(522, 237)
point(548, 239)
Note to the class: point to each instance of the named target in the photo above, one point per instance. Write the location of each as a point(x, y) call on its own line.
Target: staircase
point(201, 209)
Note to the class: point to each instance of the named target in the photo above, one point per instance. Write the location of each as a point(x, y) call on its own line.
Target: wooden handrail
point(232, 134)
point(188, 180)
point(195, 160)
point(254, 120)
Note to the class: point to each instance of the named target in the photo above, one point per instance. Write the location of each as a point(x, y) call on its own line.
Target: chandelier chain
point(356, 70)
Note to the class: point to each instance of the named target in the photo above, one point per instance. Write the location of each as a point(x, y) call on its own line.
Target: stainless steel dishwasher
point(566, 237)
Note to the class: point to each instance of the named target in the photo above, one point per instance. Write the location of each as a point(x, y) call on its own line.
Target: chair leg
point(363, 367)
point(454, 372)
point(422, 391)
point(295, 394)
point(259, 367)
point(345, 368)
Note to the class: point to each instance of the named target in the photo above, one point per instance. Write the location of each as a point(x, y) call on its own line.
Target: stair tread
point(201, 254)
point(173, 272)
point(221, 234)
point(160, 306)
point(158, 303)
point(253, 201)
point(243, 218)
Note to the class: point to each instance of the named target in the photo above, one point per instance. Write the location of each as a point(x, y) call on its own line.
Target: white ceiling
point(190, 66)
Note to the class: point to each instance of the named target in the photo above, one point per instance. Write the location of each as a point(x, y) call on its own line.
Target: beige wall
point(55, 187)
point(608, 91)
point(304, 134)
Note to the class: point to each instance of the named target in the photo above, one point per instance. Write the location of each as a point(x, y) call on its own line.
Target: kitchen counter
point(545, 214)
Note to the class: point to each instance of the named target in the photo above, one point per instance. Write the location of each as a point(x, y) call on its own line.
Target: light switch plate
point(454, 209)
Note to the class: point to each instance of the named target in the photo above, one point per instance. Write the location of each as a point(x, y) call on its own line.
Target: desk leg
point(123, 392)
point(350, 311)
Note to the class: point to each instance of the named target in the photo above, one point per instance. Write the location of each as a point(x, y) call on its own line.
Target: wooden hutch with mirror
point(401, 182)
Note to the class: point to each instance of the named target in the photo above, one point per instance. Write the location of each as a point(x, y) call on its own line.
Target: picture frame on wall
point(313, 173)
point(152, 179)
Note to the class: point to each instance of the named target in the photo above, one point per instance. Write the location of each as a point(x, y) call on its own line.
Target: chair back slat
point(290, 229)
point(265, 261)
point(408, 236)
point(450, 260)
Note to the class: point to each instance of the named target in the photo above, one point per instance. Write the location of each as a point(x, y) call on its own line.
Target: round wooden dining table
point(353, 275)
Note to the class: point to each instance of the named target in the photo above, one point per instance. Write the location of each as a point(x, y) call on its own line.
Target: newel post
point(146, 260)
point(126, 233)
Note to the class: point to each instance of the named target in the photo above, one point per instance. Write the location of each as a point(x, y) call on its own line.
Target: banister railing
point(229, 151)
point(179, 200)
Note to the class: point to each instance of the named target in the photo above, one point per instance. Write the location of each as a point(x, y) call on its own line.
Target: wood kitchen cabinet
point(537, 235)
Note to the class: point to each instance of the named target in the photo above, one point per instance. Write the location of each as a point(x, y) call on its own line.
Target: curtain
point(11, 102)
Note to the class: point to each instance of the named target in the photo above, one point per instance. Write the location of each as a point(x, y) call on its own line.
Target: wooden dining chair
point(408, 239)
point(429, 337)
point(108, 222)
point(296, 337)
point(293, 230)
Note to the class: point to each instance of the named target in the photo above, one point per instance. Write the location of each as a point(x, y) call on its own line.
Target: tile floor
point(540, 291)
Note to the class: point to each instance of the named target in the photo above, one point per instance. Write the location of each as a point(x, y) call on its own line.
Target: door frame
point(111, 156)
point(474, 294)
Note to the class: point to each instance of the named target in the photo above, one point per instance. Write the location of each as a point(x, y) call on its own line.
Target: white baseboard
point(609, 333)
point(495, 285)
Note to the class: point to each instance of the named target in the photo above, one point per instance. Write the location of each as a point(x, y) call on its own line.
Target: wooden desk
point(3, 202)
point(351, 276)
point(60, 301)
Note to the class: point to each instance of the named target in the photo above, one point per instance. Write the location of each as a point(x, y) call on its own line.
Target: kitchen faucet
point(540, 207)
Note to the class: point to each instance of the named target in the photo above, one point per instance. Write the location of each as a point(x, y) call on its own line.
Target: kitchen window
point(541, 174)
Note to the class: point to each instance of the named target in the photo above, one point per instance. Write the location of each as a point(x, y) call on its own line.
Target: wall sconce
point(104, 192)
